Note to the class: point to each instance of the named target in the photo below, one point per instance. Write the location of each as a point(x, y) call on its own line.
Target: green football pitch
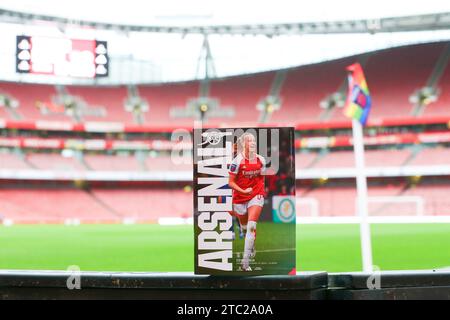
point(334, 248)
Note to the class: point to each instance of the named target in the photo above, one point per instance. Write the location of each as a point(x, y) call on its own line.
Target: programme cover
point(244, 201)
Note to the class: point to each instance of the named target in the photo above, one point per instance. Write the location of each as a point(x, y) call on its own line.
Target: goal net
point(395, 206)
point(307, 207)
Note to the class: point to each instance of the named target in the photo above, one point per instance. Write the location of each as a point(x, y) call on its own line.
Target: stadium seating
point(11, 161)
point(436, 198)
point(112, 163)
point(242, 94)
point(340, 201)
point(304, 160)
point(165, 163)
point(393, 76)
point(336, 159)
point(432, 156)
point(313, 160)
point(162, 98)
point(114, 205)
point(147, 204)
point(383, 158)
point(305, 87)
point(28, 96)
point(345, 159)
point(110, 99)
point(52, 206)
point(100, 205)
point(332, 201)
point(52, 161)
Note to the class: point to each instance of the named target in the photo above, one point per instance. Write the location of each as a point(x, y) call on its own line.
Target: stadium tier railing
point(120, 127)
point(173, 175)
point(316, 142)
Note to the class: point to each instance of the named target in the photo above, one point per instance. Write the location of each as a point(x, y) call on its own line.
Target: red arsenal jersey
point(248, 175)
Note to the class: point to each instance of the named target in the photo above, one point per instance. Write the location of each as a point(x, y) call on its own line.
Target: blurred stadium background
point(89, 101)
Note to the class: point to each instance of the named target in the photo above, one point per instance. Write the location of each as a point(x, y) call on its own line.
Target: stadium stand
point(427, 156)
point(112, 163)
point(242, 94)
point(52, 206)
point(345, 159)
point(381, 158)
point(10, 160)
point(52, 161)
point(395, 74)
point(432, 156)
point(134, 203)
point(301, 92)
point(336, 159)
point(164, 163)
point(305, 159)
point(162, 98)
point(304, 89)
point(106, 205)
point(60, 205)
point(435, 196)
point(30, 96)
point(111, 100)
point(334, 201)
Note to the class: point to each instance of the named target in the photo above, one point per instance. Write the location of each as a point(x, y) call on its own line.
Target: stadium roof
point(439, 21)
point(303, 32)
point(230, 12)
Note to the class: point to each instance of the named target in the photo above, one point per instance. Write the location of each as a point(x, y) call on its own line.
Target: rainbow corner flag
point(358, 102)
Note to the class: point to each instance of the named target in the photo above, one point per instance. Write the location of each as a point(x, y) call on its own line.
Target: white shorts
point(241, 208)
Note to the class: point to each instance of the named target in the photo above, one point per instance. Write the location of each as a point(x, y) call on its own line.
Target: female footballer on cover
point(247, 181)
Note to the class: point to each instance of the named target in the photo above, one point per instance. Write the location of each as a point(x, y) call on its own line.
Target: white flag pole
point(361, 185)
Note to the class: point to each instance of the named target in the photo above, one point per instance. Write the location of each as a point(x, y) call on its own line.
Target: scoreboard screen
point(62, 57)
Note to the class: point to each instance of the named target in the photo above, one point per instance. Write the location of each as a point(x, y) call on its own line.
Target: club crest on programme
point(213, 137)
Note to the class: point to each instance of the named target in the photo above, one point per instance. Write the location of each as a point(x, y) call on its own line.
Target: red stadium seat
point(393, 76)
point(162, 98)
point(242, 93)
point(111, 99)
point(29, 96)
point(97, 206)
point(304, 89)
point(11, 161)
point(112, 163)
point(51, 161)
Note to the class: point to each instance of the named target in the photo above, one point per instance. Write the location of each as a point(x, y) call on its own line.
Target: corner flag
point(358, 107)
point(358, 102)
